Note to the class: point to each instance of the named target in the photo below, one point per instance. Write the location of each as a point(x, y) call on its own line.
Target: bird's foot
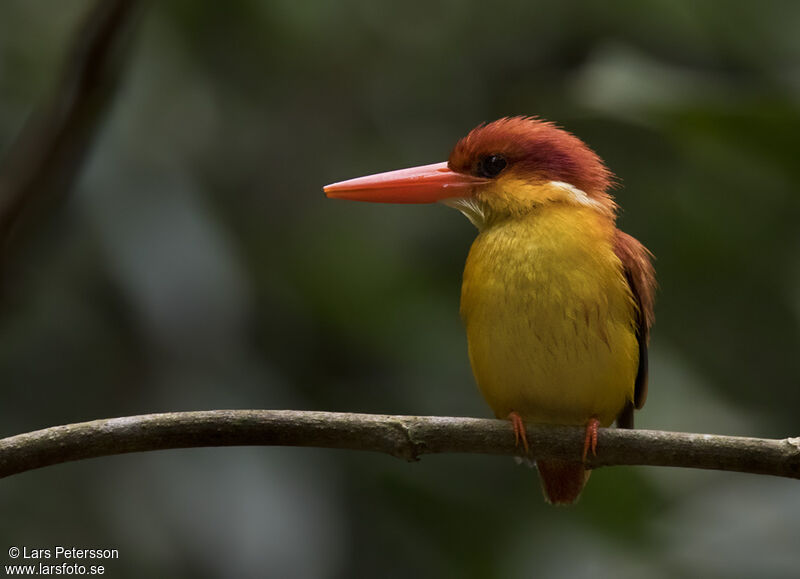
point(591, 438)
point(519, 431)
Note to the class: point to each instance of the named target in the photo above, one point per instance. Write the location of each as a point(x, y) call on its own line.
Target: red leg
point(519, 431)
point(591, 437)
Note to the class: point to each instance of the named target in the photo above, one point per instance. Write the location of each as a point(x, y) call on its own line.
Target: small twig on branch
point(406, 437)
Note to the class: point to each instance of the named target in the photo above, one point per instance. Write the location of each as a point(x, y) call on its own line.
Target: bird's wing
point(641, 279)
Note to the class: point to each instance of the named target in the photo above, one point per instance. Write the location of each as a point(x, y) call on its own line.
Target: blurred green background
point(197, 265)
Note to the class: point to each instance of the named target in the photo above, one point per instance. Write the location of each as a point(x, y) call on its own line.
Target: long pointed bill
point(426, 184)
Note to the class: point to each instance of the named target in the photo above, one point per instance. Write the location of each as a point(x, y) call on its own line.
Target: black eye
point(490, 166)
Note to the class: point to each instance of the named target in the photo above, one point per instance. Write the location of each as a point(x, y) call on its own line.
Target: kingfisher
point(557, 302)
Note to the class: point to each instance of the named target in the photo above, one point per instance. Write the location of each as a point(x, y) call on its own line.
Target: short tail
point(562, 481)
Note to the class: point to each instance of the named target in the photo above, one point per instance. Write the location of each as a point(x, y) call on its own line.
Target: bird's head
point(504, 169)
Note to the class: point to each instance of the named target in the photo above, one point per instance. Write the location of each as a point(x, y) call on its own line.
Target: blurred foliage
point(199, 266)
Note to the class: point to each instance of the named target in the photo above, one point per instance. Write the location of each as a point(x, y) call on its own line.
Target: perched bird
point(557, 302)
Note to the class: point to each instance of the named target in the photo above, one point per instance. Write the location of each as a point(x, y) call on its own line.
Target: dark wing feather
point(641, 279)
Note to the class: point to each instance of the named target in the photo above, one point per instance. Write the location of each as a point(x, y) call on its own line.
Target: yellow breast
point(549, 317)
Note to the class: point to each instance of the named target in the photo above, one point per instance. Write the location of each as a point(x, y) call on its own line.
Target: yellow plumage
point(548, 315)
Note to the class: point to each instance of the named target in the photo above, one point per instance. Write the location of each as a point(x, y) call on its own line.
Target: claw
point(519, 431)
point(591, 438)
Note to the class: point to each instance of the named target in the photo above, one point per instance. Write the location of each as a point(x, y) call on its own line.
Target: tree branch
point(406, 437)
point(45, 158)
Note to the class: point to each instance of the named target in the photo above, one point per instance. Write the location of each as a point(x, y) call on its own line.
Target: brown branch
point(406, 437)
point(47, 155)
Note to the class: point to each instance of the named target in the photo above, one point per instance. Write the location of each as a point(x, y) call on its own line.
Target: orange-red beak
point(426, 184)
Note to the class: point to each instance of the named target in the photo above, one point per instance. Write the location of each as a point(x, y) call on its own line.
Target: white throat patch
point(471, 209)
point(474, 210)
